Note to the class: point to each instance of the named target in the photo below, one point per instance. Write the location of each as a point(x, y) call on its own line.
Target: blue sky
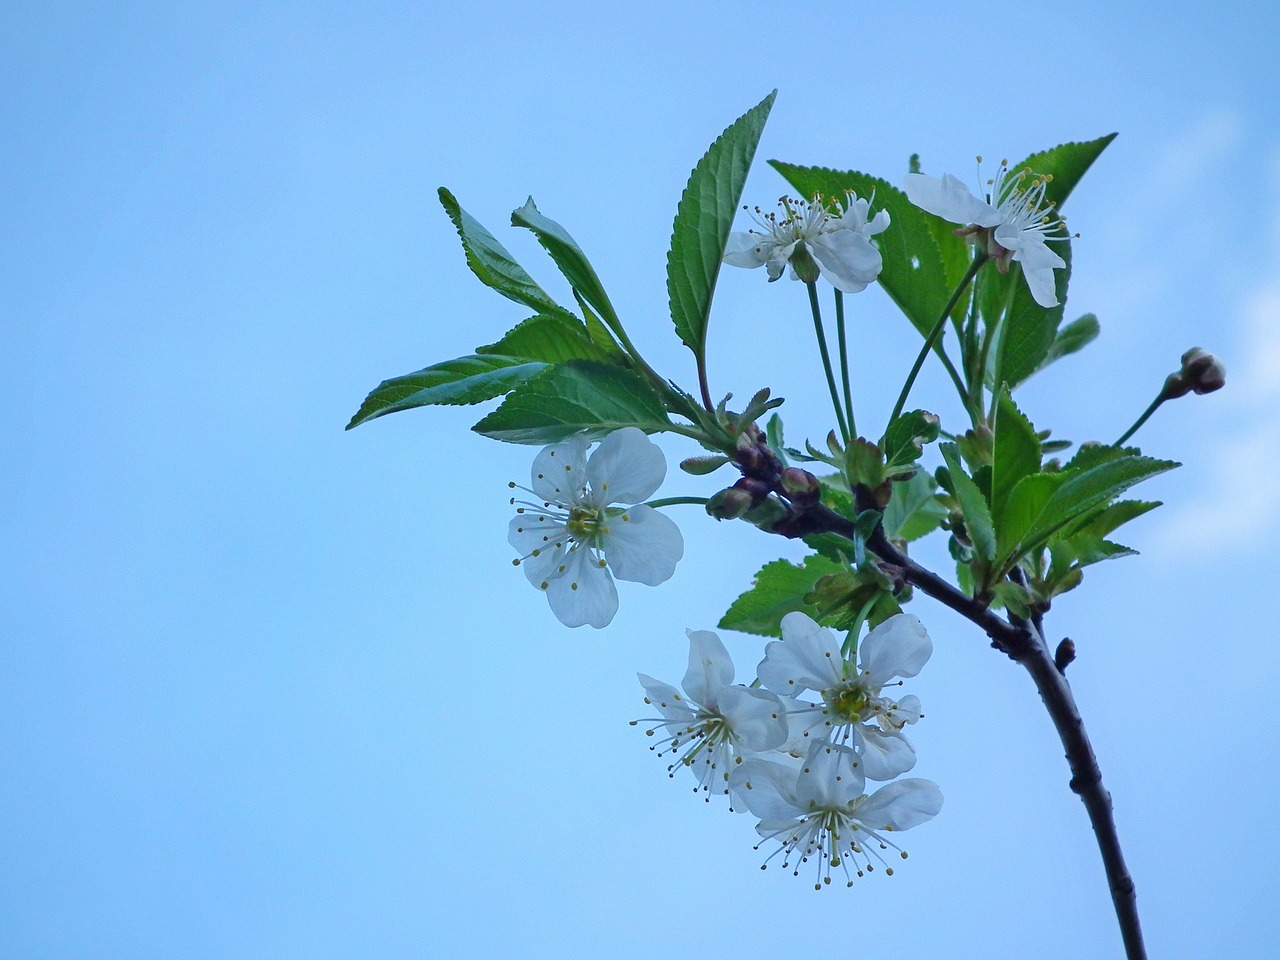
point(269, 689)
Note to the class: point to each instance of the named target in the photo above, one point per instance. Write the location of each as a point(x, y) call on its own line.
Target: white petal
point(584, 593)
point(748, 249)
point(950, 199)
point(831, 777)
point(901, 805)
point(806, 658)
point(847, 259)
point(806, 724)
point(765, 788)
point(756, 716)
point(667, 699)
point(627, 467)
point(884, 756)
point(643, 546)
point(1038, 263)
point(899, 647)
point(878, 224)
point(541, 542)
point(710, 668)
point(559, 470)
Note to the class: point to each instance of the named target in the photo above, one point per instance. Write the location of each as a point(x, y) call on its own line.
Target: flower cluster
point(814, 239)
point(800, 764)
point(572, 537)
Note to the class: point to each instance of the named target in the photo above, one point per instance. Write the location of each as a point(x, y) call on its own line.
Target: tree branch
point(1024, 642)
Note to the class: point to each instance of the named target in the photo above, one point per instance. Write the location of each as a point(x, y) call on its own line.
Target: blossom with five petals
point(813, 235)
point(1013, 214)
point(715, 723)
point(572, 539)
point(853, 707)
point(819, 811)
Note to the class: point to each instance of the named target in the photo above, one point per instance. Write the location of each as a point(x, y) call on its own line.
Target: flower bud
point(729, 504)
point(800, 486)
point(1203, 372)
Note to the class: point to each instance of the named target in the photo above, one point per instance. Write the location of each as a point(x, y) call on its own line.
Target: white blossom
point(573, 538)
point(818, 812)
point(836, 242)
point(1012, 212)
point(715, 723)
point(854, 707)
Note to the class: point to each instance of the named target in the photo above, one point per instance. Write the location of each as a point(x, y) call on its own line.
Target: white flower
point(819, 812)
point(853, 708)
point(570, 541)
point(1014, 214)
point(716, 722)
point(811, 235)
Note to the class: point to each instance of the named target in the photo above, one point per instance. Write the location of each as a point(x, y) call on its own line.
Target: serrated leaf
point(574, 397)
point(907, 437)
point(493, 265)
point(913, 510)
point(1092, 453)
point(1023, 512)
point(463, 381)
point(550, 339)
point(1016, 452)
point(1075, 336)
point(1066, 164)
point(1085, 491)
point(567, 255)
point(1112, 518)
point(778, 589)
point(915, 274)
point(703, 221)
point(977, 514)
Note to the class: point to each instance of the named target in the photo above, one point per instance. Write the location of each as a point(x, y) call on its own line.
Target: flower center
point(584, 522)
point(848, 702)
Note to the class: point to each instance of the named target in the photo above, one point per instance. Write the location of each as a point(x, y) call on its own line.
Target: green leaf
point(703, 221)
point(1083, 492)
point(568, 257)
point(1024, 511)
point(573, 397)
point(1016, 453)
point(915, 274)
point(550, 339)
point(1112, 518)
point(778, 589)
point(913, 510)
point(977, 514)
point(907, 437)
point(462, 381)
point(490, 261)
point(1066, 164)
point(1075, 336)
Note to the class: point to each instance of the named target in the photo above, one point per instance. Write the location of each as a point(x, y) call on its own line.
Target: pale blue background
point(272, 690)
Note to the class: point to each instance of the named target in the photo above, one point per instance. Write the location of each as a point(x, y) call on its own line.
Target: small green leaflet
point(462, 381)
point(703, 221)
point(568, 257)
point(490, 261)
point(572, 398)
point(549, 339)
point(779, 589)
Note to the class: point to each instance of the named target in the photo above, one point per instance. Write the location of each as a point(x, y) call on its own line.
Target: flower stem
point(844, 362)
point(826, 359)
point(978, 260)
point(1146, 415)
point(673, 501)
